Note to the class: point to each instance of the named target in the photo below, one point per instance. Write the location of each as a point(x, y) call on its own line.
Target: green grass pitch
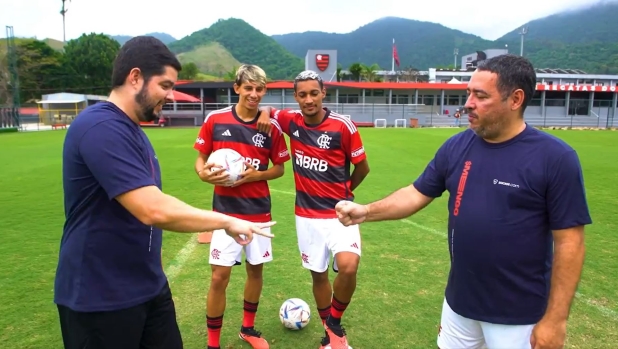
point(403, 269)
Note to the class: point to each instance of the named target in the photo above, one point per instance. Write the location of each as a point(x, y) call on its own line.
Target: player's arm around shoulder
point(356, 153)
point(283, 116)
point(279, 153)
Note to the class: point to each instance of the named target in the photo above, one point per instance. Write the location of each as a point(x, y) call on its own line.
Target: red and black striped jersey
point(224, 129)
point(322, 157)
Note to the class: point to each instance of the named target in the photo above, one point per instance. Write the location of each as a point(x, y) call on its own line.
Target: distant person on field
point(457, 117)
point(325, 146)
point(517, 211)
point(110, 287)
point(235, 127)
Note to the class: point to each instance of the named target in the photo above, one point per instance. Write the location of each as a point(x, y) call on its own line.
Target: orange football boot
point(254, 338)
point(336, 336)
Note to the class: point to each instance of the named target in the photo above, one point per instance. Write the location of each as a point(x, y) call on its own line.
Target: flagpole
point(393, 57)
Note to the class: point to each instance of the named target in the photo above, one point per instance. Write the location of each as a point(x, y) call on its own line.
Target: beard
point(146, 106)
point(490, 127)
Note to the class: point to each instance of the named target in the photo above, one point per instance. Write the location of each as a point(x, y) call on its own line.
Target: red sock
point(324, 313)
point(337, 308)
point(249, 310)
point(214, 325)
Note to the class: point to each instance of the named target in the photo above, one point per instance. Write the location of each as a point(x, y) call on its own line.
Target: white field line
point(181, 258)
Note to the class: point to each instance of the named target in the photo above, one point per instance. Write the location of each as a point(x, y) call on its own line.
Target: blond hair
point(250, 73)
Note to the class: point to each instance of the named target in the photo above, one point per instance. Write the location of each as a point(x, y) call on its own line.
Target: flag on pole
point(395, 55)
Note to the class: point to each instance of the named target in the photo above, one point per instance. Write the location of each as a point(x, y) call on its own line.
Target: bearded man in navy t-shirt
point(110, 287)
point(517, 211)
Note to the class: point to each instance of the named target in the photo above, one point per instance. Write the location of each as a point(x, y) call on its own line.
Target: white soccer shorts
point(458, 332)
point(319, 238)
point(226, 252)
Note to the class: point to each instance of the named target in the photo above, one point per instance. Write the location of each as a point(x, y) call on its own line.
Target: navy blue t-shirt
point(109, 260)
point(505, 200)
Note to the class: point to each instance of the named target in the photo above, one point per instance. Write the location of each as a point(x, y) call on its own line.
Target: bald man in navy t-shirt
point(517, 211)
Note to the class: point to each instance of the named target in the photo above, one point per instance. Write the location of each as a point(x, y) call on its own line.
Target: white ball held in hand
point(231, 161)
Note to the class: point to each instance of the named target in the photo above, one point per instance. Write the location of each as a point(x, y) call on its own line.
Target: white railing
point(342, 108)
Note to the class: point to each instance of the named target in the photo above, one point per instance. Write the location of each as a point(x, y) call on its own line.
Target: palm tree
point(356, 70)
point(369, 72)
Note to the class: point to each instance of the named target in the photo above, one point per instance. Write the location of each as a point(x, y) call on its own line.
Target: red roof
point(399, 85)
point(433, 86)
point(439, 86)
point(28, 110)
point(378, 85)
point(183, 97)
point(280, 84)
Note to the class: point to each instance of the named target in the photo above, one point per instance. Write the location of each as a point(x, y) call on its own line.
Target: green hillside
point(211, 58)
point(582, 25)
point(164, 37)
point(247, 45)
point(419, 44)
point(586, 38)
point(55, 44)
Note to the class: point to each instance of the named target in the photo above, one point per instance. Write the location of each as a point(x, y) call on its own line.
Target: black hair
point(308, 75)
point(148, 54)
point(514, 72)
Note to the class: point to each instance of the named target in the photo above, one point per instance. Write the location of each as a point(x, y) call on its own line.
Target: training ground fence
point(364, 115)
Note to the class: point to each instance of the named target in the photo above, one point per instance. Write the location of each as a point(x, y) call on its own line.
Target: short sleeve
point(116, 157)
point(566, 195)
point(353, 144)
point(279, 153)
point(432, 182)
point(203, 143)
point(284, 117)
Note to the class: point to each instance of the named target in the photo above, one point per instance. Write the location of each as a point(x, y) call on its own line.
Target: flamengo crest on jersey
point(323, 155)
point(224, 129)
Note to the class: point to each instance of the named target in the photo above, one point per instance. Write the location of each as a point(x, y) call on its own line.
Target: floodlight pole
point(523, 32)
point(455, 53)
point(63, 12)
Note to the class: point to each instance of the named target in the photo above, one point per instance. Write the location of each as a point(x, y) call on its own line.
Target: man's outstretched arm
point(405, 201)
point(398, 205)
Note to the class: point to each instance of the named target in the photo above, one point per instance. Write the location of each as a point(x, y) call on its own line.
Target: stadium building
point(564, 97)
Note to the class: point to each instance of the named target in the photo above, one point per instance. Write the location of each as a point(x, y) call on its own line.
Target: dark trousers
point(151, 325)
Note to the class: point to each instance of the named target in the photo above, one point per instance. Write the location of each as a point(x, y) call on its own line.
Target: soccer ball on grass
point(295, 314)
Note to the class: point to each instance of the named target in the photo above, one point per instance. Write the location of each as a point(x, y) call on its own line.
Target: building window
point(426, 100)
point(452, 100)
point(602, 100)
point(579, 106)
point(400, 99)
point(555, 99)
point(348, 99)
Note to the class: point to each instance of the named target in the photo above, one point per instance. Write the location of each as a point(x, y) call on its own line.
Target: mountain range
point(585, 39)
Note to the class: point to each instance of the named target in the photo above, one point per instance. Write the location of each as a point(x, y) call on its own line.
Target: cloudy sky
point(486, 18)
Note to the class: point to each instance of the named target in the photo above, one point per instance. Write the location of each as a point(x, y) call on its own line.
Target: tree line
point(83, 66)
